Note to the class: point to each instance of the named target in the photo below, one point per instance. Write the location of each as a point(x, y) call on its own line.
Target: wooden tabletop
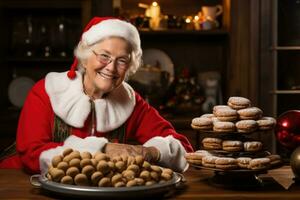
point(14, 184)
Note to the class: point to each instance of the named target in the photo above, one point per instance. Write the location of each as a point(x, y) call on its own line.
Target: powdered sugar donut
point(197, 155)
point(225, 127)
point(274, 159)
point(266, 123)
point(243, 162)
point(259, 163)
point(232, 145)
point(253, 146)
point(208, 115)
point(250, 113)
point(226, 163)
point(212, 143)
point(238, 102)
point(209, 161)
point(202, 123)
point(215, 108)
point(226, 114)
point(246, 126)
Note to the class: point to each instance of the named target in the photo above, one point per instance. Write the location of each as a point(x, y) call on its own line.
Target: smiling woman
point(91, 107)
point(102, 72)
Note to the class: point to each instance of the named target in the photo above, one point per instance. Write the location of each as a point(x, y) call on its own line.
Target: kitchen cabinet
point(39, 37)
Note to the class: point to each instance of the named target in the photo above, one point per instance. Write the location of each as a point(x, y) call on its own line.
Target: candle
point(188, 23)
point(155, 15)
point(155, 10)
point(197, 22)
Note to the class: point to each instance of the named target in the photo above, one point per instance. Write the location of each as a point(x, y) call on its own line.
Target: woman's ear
point(83, 64)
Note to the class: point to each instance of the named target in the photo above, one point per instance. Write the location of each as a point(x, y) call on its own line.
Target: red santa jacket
point(36, 122)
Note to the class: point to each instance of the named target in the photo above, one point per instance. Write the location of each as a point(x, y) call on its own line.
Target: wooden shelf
point(37, 60)
point(285, 48)
point(38, 4)
point(285, 92)
point(217, 32)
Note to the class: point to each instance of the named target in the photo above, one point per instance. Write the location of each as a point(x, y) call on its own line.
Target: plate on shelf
point(157, 66)
point(18, 90)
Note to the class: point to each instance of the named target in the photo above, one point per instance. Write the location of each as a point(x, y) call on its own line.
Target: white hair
point(83, 51)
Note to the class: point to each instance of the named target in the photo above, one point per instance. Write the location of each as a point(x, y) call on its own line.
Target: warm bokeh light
point(154, 3)
point(285, 124)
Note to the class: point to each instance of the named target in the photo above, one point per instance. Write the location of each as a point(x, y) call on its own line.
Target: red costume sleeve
point(34, 133)
point(146, 123)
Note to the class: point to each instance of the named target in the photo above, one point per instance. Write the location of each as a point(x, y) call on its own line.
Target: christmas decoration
point(288, 129)
point(295, 162)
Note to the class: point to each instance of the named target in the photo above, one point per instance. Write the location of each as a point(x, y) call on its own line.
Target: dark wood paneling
point(266, 61)
point(243, 76)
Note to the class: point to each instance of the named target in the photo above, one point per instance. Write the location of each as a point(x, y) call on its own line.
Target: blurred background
point(197, 53)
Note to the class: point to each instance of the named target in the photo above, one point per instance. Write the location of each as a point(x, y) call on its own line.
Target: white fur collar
point(72, 105)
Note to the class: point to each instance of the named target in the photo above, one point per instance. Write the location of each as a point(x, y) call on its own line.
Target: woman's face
point(106, 68)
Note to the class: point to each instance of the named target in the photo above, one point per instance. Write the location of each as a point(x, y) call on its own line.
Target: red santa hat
point(102, 27)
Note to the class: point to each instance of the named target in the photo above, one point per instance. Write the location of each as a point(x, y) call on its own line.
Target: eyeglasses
point(105, 59)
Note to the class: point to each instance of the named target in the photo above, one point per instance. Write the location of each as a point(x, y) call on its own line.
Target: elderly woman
point(92, 108)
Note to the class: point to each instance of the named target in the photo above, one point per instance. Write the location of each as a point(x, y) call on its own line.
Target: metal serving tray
point(159, 189)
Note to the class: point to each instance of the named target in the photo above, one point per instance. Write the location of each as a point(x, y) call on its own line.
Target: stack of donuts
point(230, 150)
point(85, 169)
point(238, 115)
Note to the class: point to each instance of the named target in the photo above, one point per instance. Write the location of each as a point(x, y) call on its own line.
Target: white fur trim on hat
point(112, 27)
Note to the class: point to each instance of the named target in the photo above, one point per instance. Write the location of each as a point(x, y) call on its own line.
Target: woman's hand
point(150, 154)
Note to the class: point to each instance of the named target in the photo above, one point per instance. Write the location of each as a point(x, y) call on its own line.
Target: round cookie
point(266, 123)
point(226, 163)
point(225, 127)
point(212, 143)
point(194, 161)
point(238, 103)
point(259, 163)
point(246, 126)
point(199, 154)
point(250, 113)
point(243, 162)
point(226, 114)
point(209, 161)
point(196, 157)
point(274, 159)
point(202, 123)
point(208, 115)
point(215, 119)
point(232, 145)
point(253, 146)
point(217, 107)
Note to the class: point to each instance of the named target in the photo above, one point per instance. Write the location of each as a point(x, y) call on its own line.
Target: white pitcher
point(212, 11)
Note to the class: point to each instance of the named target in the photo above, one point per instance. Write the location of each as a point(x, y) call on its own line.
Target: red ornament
point(288, 129)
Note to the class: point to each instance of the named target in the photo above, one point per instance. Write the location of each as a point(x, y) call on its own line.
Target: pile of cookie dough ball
point(85, 169)
point(238, 115)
